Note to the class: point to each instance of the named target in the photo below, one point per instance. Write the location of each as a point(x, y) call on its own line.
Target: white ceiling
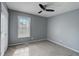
point(33, 7)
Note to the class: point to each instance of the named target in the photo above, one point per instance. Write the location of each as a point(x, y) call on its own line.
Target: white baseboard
point(26, 42)
point(37, 40)
point(63, 45)
point(17, 44)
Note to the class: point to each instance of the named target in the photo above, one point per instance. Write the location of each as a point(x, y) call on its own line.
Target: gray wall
point(0, 28)
point(4, 28)
point(38, 27)
point(64, 28)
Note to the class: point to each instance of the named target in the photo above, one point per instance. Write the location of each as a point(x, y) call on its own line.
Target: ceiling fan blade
point(39, 12)
point(42, 6)
point(50, 10)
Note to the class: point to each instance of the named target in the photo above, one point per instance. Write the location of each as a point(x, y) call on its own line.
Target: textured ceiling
point(33, 7)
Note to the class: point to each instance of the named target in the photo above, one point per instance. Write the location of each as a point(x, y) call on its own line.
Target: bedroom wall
point(4, 28)
point(38, 27)
point(64, 29)
point(0, 28)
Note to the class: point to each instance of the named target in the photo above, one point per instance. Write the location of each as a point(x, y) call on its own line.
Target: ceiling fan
point(43, 7)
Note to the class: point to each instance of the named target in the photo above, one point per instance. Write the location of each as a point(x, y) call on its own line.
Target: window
point(23, 26)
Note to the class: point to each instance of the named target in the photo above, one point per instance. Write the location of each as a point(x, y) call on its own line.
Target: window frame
point(29, 35)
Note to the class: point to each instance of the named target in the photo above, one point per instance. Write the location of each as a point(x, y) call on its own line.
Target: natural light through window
point(23, 26)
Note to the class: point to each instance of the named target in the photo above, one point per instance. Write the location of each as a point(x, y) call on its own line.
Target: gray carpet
point(41, 48)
